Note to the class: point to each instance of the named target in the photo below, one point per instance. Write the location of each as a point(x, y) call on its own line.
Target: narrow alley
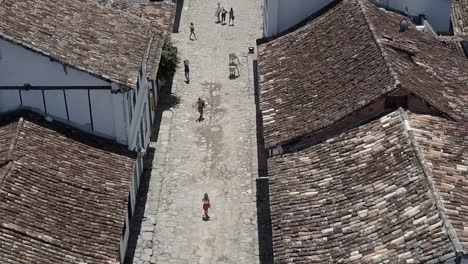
point(217, 156)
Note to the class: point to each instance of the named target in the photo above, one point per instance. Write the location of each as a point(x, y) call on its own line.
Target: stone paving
point(217, 156)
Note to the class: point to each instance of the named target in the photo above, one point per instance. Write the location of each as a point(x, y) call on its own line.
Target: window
point(138, 85)
point(134, 98)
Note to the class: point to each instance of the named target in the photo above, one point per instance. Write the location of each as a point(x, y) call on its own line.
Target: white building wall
point(139, 110)
point(9, 100)
point(19, 66)
point(102, 109)
point(463, 261)
point(33, 99)
point(55, 101)
point(279, 15)
point(437, 12)
point(78, 108)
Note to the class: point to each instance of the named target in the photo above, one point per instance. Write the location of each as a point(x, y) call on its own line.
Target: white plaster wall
point(55, 102)
point(20, 65)
point(270, 18)
point(437, 12)
point(78, 108)
point(120, 118)
point(292, 12)
point(464, 261)
point(138, 112)
point(108, 114)
point(279, 15)
point(9, 100)
point(33, 99)
point(102, 109)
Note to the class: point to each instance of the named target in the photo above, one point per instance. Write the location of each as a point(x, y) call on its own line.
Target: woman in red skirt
point(206, 206)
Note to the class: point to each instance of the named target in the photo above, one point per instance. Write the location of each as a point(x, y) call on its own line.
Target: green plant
point(169, 60)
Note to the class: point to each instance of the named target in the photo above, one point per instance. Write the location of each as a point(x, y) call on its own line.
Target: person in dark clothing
point(231, 17)
point(192, 31)
point(201, 106)
point(223, 16)
point(187, 71)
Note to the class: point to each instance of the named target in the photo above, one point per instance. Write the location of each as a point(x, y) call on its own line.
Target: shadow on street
point(265, 242)
point(166, 101)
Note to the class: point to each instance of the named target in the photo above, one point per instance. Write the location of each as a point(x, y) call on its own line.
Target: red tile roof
point(347, 58)
point(63, 194)
point(390, 191)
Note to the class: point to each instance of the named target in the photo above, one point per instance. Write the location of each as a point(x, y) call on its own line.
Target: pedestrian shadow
point(166, 102)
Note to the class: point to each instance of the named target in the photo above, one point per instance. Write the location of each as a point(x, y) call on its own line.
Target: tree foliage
point(169, 61)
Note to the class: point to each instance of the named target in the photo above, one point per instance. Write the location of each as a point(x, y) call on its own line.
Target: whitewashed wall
point(124, 117)
point(437, 12)
point(279, 15)
point(138, 138)
point(19, 66)
point(106, 117)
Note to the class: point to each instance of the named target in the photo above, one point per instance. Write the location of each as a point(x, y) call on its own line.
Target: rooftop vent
point(403, 25)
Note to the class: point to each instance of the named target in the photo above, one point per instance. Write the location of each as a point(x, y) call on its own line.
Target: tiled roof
point(347, 58)
point(162, 16)
point(454, 43)
point(100, 40)
point(391, 191)
point(444, 146)
point(460, 17)
point(63, 194)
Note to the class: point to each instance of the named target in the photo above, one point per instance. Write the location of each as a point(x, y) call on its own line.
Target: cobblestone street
point(217, 156)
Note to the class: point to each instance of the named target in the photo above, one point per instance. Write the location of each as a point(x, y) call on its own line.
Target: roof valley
point(385, 57)
point(9, 157)
point(428, 174)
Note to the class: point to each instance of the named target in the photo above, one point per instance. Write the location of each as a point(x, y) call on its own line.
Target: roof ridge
point(9, 157)
point(15, 139)
point(384, 54)
point(428, 174)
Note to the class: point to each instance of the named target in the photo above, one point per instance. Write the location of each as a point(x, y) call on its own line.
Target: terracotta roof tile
point(65, 196)
point(100, 40)
point(347, 58)
point(460, 17)
point(161, 14)
point(364, 197)
point(444, 146)
point(454, 43)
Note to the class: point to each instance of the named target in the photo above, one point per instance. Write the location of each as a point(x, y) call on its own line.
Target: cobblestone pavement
point(217, 156)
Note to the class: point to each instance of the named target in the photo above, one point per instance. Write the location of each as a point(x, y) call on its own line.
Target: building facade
point(279, 15)
point(100, 79)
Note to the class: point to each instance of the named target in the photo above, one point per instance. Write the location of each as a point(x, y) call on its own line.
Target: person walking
point(201, 106)
point(223, 16)
point(187, 71)
point(206, 206)
point(231, 17)
point(218, 13)
point(192, 31)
